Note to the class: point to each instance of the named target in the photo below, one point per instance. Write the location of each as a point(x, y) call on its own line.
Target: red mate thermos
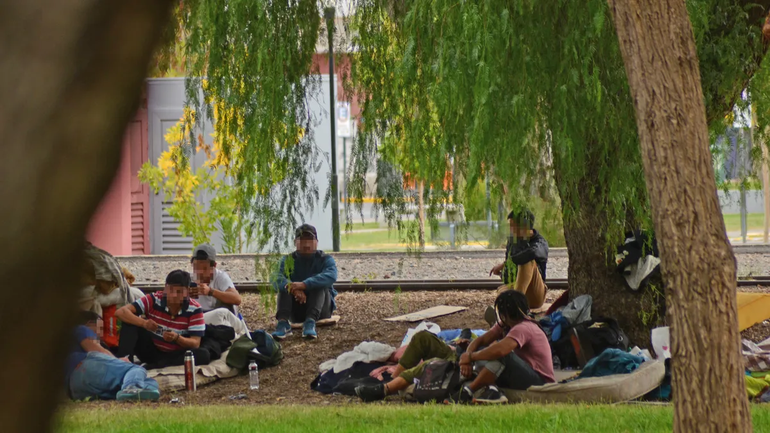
point(189, 371)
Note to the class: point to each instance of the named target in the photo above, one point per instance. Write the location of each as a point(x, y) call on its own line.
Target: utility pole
point(329, 14)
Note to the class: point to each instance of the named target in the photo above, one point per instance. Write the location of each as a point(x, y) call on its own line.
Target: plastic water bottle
point(253, 376)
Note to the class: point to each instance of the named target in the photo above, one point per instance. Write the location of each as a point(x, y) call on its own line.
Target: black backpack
point(438, 380)
point(595, 337)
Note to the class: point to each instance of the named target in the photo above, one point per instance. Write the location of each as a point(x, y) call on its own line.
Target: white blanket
point(368, 351)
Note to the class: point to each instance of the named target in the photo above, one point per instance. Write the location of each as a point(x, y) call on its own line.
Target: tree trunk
point(698, 265)
point(591, 267)
point(71, 73)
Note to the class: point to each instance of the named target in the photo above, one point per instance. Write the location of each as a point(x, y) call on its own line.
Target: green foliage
point(515, 90)
point(174, 177)
point(265, 267)
point(504, 89)
point(256, 59)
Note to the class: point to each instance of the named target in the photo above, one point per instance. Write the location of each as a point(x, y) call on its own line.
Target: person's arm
point(494, 351)
point(128, 314)
point(191, 342)
point(279, 277)
point(90, 345)
point(325, 278)
point(195, 330)
point(538, 249)
point(484, 340)
point(229, 296)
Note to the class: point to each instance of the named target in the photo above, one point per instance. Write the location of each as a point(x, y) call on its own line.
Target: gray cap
point(204, 252)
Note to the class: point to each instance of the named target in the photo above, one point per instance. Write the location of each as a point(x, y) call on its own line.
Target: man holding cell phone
point(172, 324)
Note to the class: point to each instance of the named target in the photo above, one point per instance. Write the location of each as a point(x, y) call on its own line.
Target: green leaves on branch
point(256, 59)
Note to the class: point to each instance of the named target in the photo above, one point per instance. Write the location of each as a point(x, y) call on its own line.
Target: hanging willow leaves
point(256, 59)
point(502, 85)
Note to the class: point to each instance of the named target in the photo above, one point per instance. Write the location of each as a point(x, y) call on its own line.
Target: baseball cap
point(205, 252)
point(305, 229)
point(180, 278)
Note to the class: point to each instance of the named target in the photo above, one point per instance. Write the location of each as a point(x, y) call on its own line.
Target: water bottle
point(253, 376)
point(189, 371)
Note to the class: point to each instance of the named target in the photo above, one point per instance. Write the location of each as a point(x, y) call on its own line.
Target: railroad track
point(423, 285)
point(465, 254)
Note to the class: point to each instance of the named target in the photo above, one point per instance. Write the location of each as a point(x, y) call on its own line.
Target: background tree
point(502, 86)
point(698, 264)
point(256, 57)
point(70, 79)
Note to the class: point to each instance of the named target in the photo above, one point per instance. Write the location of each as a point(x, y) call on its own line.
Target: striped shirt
point(188, 322)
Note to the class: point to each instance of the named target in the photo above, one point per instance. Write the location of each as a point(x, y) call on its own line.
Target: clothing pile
point(355, 368)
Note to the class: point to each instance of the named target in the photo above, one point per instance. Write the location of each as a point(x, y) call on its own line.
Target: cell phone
point(161, 329)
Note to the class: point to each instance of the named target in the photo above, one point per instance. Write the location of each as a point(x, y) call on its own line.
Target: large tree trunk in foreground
point(659, 53)
point(70, 77)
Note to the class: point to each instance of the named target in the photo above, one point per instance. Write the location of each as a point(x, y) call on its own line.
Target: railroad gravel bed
point(462, 265)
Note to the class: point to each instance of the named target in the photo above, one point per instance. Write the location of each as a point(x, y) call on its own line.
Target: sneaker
point(369, 393)
point(490, 316)
point(282, 330)
point(133, 393)
point(463, 396)
point(491, 395)
point(308, 330)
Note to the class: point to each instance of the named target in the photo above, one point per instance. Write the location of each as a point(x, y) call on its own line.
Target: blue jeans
point(102, 376)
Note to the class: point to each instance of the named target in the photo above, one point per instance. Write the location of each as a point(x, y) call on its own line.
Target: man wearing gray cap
point(304, 282)
point(215, 288)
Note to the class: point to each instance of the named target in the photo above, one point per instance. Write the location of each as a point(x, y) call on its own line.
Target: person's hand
point(466, 367)
point(170, 336)
point(300, 296)
point(497, 270)
point(466, 370)
point(204, 289)
point(193, 292)
point(463, 342)
point(296, 287)
point(150, 325)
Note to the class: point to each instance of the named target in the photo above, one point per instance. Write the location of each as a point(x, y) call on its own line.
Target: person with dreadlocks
point(516, 351)
point(513, 354)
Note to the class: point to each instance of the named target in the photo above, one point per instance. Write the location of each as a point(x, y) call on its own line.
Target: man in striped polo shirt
point(172, 324)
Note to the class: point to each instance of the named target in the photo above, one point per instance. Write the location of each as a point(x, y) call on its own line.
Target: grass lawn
point(376, 237)
point(389, 240)
point(379, 418)
point(754, 222)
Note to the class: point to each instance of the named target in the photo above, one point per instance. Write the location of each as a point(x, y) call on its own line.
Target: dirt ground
point(362, 314)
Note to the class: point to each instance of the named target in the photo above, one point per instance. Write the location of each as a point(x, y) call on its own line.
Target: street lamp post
point(329, 14)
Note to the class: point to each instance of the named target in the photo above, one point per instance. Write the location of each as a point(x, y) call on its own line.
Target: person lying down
point(514, 354)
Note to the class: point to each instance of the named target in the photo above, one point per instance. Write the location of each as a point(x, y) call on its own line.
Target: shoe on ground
point(463, 396)
point(133, 393)
point(308, 330)
point(490, 316)
point(369, 393)
point(282, 330)
point(491, 395)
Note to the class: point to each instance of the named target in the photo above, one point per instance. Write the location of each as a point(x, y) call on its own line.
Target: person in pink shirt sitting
point(516, 352)
point(513, 354)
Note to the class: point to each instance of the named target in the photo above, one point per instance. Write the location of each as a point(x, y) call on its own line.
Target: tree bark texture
point(70, 78)
point(698, 265)
point(592, 270)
